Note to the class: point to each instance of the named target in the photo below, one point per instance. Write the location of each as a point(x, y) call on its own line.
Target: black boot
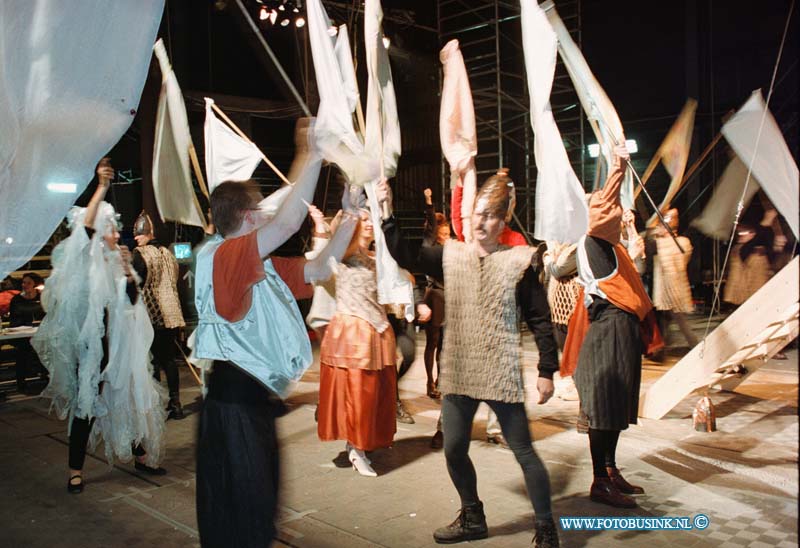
point(174, 409)
point(546, 535)
point(469, 525)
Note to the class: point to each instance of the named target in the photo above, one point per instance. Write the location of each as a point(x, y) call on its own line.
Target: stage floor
point(744, 477)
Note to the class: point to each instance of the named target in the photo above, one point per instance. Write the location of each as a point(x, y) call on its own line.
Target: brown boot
point(622, 484)
point(605, 492)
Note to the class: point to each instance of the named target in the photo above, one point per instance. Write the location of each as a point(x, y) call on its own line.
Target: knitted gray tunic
point(481, 356)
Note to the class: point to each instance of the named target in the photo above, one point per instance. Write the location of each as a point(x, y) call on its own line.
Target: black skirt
point(237, 461)
point(609, 371)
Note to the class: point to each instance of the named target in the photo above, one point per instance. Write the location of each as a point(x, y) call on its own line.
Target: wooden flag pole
point(246, 138)
point(197, 171)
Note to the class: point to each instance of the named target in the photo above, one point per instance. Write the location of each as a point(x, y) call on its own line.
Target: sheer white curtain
point(71, 75)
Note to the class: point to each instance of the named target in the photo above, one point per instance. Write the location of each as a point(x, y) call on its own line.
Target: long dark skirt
point(609, 371)
point(237, 461)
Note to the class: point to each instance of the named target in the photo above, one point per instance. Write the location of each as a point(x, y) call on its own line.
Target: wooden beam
point(774, 303)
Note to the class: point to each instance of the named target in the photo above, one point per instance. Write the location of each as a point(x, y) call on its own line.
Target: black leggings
point(457, 415)
point(163, 349)
point(79, 438)
point(603, 446)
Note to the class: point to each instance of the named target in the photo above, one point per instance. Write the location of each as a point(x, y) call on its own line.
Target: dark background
point(649, 56)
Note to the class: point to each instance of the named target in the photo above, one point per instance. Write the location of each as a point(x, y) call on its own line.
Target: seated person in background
point(7, 292)
point(26, 309)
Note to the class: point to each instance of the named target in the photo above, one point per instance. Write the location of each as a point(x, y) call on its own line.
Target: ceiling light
point(262, 13)
point(281, 7)
point(9, 240)
point(594, 148)
point(273, 16)
point(386, 42)
point(285, 22)
point(300, 22)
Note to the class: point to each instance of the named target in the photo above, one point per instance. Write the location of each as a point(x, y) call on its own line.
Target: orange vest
point(624, 290)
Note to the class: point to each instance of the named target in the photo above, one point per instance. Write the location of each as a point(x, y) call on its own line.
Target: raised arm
point(605, 211)
point(292, 211)
point(105, 173)
point(320, 268)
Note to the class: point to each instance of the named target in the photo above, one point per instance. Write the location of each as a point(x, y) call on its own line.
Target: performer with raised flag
point(607, 335)
point(249, 324)
point(484, 283)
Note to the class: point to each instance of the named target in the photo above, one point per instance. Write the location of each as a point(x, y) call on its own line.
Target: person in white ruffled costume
point(94, 342)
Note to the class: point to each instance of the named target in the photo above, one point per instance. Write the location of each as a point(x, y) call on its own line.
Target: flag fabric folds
point(756, 138)
point(717, 218)
point(673, 153)
point(229, 157)
point(599, 110)
point(561, 212)
point(457, 132)
point(172, 177)
point(71, 75)
point(362, 158)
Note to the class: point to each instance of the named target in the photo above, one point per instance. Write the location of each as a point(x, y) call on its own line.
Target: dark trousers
point(237, 461)
point(405, 339)
point(163, 349)
point(434, 337)
point(457, 415)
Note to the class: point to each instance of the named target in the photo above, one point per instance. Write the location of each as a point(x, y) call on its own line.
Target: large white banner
point(363, 158)
point(71, 75)
point(561, 212)
point(598, 107)
point(763, 147)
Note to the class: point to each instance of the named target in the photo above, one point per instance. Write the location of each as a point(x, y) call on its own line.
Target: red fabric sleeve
point(292, 272)
point(455, 212)
point(237, 268)
point(511, 237)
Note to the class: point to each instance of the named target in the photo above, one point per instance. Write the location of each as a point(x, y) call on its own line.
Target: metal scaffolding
point(490, 36)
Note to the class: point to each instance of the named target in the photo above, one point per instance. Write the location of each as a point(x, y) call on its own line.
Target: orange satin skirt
point(358, 384)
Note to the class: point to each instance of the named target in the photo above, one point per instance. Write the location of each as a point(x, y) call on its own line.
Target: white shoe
point(361, 463)
point(348, 448)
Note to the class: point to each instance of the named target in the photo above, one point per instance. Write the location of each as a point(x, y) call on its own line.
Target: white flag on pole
point(228, 156)
point(172, 176)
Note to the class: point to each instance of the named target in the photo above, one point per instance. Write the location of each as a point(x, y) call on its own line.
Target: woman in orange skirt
point(358, 378)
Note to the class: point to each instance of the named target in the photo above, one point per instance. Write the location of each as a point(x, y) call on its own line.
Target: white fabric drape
point(71, 74)
point(598, 107)
point(717, 218)
point(172, 176)
point(771, 159)
point(362, 159)
point(457, 132)
point(228, 156)
point(561, 212)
